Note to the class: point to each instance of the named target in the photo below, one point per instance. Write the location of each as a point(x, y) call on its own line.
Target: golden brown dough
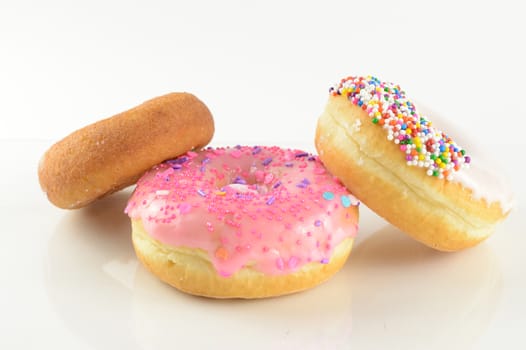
point(113, 153)
point(191, 271)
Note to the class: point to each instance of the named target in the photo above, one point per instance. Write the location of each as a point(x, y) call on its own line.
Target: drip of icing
point(272, 209)
point(483, 177)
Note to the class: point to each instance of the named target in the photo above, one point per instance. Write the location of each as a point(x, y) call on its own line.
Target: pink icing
point(265, 207)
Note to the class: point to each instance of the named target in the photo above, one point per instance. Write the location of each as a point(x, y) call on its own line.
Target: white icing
point(483, 177)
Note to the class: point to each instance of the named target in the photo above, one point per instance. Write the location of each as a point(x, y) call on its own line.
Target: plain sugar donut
point(242, 222)
point(393, 159)
point(113, 153)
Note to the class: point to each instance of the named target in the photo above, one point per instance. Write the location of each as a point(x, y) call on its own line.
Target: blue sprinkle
point(328, 195)
point(256, 150)
point(404, 126)
point(201, 192)
point(442, 148)
point(289, 164)
point(346, 201)
point(324, 261)
point(202, 168)
point(271, 200)
point(205, 160)
point(312, 158)
point(360, 103)
point(267, 161)
point(177, 166)
point(317, 223)
point(277, 184)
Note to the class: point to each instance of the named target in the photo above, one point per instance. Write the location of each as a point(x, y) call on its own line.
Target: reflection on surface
point(420, 298)
point(403, 294)
point(108, 300)
point(316, 319)
point(89, 265)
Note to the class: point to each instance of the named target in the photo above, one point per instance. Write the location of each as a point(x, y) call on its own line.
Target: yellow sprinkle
point(421, 157)
point(408, 131)
point(220, 193)
point(442, 165)
point(438, 160)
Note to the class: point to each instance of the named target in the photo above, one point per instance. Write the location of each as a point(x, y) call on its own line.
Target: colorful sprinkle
point(346, 201)
point(221, 253)
point(423, 145)
point(254, 213)
point(328, 195)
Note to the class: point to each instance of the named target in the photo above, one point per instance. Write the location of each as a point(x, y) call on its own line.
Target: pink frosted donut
point(242, 222)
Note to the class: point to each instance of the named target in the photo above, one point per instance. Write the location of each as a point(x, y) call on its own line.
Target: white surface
point(70, 280)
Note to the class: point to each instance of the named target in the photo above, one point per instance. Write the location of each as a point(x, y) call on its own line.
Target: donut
point(242, 222)
point(391, 157)
point(113, 153)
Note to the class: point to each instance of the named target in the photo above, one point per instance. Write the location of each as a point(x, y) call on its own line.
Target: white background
point(70, 279)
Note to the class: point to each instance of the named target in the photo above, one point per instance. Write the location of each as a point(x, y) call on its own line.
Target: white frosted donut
point(391, 157)
point(242, 222)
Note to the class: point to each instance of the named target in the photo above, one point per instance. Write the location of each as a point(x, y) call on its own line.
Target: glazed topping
point(423, 145)
point(265, 208)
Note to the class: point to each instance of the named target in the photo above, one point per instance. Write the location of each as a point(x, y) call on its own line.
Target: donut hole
point(248, 181)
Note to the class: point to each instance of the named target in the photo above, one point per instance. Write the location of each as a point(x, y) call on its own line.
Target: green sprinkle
point(375, 120)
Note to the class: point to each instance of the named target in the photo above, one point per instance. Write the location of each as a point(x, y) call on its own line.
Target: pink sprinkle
point(293, 262)
point(260, 175)
point(280, 264)
point(403, 148)
point(268, 178)
point(236, 153)
point(225, 274)
point(319, 171)
point(401, 137)
point(184, 208)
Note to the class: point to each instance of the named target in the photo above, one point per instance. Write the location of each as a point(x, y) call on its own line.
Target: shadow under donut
point(319, 318)
point(89, 271)
point(105, 297)
point(420, 297)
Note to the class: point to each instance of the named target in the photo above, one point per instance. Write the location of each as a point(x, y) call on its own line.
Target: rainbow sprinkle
point(423, 145)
